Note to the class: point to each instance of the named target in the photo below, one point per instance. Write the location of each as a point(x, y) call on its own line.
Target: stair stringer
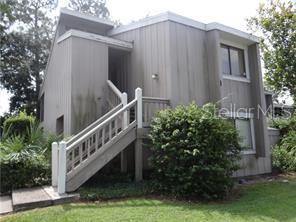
point(99, 162)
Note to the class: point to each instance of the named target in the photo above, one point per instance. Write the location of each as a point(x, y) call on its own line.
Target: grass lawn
point(270, 201)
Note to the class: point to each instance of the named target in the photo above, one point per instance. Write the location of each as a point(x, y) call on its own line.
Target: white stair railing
point(151, 105)
point(114, 96)
point(118, 100)
point(96, 141)
point(69, 158)
point(73, 156)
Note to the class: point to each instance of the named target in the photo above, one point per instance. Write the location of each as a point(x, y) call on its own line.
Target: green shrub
point(25, 158)
point(194, 152)
point(22, 164)
point(24, 171)
point(285, 124)
point(18, 125)
point(3, 117)
point(284, 154)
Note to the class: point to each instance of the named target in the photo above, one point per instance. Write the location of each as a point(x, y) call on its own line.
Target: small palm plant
point(25, 156)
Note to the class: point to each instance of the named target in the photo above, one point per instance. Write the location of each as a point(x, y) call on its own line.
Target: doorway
point(60, 125)
point(119, 66)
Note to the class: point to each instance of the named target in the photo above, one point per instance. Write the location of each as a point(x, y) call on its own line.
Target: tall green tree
point(24, 52)
point(94, 7)
point(276, 20)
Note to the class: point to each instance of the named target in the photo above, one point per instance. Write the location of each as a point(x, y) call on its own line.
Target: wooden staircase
point(75, 161)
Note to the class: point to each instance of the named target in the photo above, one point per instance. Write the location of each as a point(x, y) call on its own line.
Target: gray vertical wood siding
point(214, 65)
point(89, 76)
point(57, 87)
point(177, 54)
point(188, 72)
point(149, 56)
point(249, 95)
point(235, 92)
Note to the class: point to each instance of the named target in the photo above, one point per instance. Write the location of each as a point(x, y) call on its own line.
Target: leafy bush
point(285, 124)
point(18, 125)
point(3, 117)
point(24, 171)
point(284, 154)
point(25, 157)
point(22, 164)
point(194, 152)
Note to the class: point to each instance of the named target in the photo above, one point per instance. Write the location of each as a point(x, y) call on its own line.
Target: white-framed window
point(234, 61)
point(245, 126)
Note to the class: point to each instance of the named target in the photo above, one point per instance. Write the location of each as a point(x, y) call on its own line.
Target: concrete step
point(30, 198)
point(60, 198)
point(5, 205)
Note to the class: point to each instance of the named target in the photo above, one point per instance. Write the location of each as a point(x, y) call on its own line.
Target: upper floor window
point(233, 61)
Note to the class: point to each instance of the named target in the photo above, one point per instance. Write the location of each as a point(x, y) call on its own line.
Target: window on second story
point(233, 61)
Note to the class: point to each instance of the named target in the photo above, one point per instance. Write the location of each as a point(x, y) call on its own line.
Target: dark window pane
point(225, 60)
point(237, 62)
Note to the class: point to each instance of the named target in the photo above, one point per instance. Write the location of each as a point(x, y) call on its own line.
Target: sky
point(228, 12)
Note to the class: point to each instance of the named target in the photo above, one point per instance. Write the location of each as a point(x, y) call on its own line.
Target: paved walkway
point(5, 204)
point(29, 198)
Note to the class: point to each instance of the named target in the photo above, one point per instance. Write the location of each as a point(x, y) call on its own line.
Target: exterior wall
point(250, 165)
point(57, 87)
point(188, 65)
point(258, 99)
point(214, 67)
point(89, 76)
point(176, 53)
point(66, 23)
point(149, 56)
point(235, 92)
point(274, 136)
point(239, 94)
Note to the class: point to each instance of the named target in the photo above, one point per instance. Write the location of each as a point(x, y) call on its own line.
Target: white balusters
point(69, 158)
point(54, 164)
point(152, 105)
point(62, 168)
point(124, 102)
point(139, 115)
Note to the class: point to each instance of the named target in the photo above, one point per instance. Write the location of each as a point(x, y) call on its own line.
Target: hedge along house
point(104, 83)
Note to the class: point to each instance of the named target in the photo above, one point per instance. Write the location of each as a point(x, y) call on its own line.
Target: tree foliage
point(277, 21)
point(94, 7)
point(27, 34)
